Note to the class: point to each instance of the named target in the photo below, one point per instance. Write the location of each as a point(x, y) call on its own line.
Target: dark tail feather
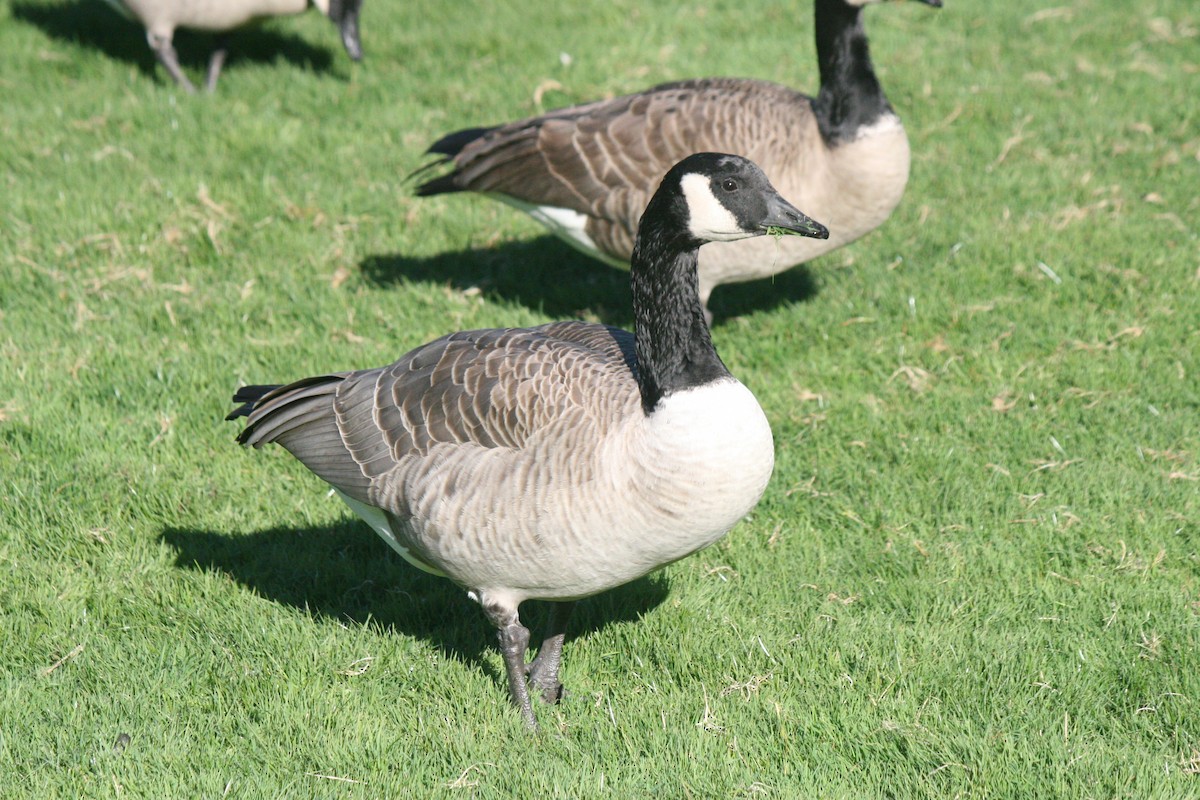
point(452, 144)
point(301, 417)
point(449, 146)
point(248, 396)
point(443, 184)
point(252, 397)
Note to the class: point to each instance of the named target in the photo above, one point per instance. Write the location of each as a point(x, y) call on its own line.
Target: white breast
point(712, 452)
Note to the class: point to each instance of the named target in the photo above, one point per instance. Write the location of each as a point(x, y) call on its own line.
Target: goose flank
point(586, 172)
point(558, 461)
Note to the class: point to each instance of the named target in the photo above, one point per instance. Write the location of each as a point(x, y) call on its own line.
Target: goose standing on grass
point(161, 17)
point(586, 172)
point(559, 461)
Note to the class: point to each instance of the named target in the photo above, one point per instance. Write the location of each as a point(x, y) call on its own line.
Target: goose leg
point(543, 670)
point(165, 51)
point(514, 642)
point(215, 62)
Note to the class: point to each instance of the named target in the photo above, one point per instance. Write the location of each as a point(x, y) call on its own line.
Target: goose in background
point(558, 461)
point(586, 172)
point(160, 18)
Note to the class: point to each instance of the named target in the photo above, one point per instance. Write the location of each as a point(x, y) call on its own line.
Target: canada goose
point(559, 461)
point(162, 17)
point(586, 172)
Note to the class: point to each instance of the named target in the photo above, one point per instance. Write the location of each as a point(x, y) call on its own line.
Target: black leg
point(543, 670)
point(514, 642)
point(165, 50)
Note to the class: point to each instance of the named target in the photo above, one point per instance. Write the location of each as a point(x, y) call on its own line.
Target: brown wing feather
point(605, 159)
point(486, 388)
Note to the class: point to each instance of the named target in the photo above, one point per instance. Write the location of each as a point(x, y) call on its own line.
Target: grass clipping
point(776, 232)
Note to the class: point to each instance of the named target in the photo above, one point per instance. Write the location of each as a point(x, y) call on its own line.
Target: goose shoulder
point(485, 389)
point(497, 388)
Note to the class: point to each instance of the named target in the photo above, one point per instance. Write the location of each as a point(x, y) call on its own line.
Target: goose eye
point(729, 185)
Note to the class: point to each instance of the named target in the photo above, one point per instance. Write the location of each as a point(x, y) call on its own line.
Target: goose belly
point(567, 521)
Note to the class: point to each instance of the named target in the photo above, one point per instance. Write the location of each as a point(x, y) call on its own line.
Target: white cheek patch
point(708, 219)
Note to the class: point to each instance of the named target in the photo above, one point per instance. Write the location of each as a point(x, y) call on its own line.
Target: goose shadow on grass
point(550, 277)
point(344, 572)
point(93, 24)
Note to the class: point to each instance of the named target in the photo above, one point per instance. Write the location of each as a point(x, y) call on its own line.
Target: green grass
point(974, 574)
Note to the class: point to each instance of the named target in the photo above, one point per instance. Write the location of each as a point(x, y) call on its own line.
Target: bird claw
point(545, 680)
point(552, 695)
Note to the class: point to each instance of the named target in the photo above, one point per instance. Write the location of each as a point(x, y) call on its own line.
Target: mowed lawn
point(975, 573)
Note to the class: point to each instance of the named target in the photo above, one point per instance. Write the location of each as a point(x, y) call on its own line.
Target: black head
point(344, 14)
point(713, 197)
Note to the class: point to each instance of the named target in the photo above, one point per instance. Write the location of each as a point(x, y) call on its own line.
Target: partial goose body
point(587, 171)
point(559, 461)
point(161, 18)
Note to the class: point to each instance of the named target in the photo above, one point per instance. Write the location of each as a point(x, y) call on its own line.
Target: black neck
point(850, 95)
point(673, 345)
